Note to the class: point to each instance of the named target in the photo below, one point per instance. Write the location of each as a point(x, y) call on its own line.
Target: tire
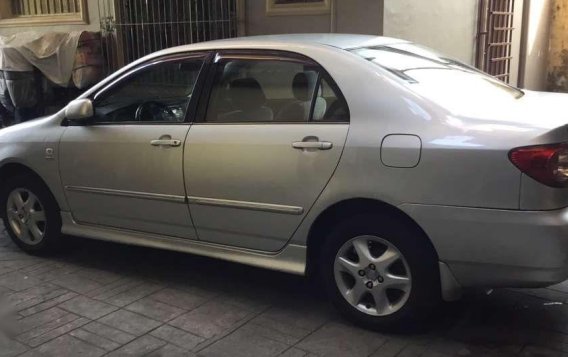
point(33, 221)
point(398, 256)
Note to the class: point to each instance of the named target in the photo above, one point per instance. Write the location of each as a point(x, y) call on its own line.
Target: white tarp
point(53, 53)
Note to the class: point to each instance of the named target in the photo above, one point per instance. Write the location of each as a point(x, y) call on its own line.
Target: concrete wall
point(94, 24)
point(447, 26)
point(536, 47)
point(362, 16)
point(558, 60)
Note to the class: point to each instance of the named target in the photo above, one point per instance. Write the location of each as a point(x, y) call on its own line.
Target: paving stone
point(46, 327)
point(77, 283)
point(210, 320)
point(95, 340)
point(39, 319)
point(182, 299)
point(244, 301)
point(114, 288)
point(139, 347)
point(4, 291)
point(100, 276)
point(50, 268)
point(155, 309)
point(108, 332)
point(56, 332)
point(177, 337)
point(391, 348)
point(294, 352)
point(293, 324)
point(67, 345)
point(449, 347)
point(47, 304)
point(87, 307)
point(546, 294)
point(13, 265)
point(563, 287)
point(130, 322)
point(9, 347)
point(17, 254)
point(336, 339)
point(249, 340)
point(134, 294)
point(434, 354)
point(18, 281)
point(284, 335)
point(535, 351)
point(413, 351)
point(170, 351)
point(548, 339)
point(35, 295)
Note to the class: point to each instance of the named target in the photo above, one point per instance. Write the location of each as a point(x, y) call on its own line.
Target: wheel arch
point(12, 169)
point(15, 168)
point(342, 210)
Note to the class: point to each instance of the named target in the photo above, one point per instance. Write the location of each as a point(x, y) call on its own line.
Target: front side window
point(159, 93)
point(272, 90)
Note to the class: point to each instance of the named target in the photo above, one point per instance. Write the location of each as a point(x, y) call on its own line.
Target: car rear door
point(124, 168)
point(269, 136)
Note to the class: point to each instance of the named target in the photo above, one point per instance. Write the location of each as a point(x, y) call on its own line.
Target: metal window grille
point(45, 7)
point(495, 38)
point(134, 28)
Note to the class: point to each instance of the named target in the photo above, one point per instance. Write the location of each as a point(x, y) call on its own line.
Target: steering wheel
point(154, 111)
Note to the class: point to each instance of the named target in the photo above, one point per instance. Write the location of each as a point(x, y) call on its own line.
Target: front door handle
point(319, 145)
point(166, 142)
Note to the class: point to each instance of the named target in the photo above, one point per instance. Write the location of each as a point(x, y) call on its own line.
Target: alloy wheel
point(26, 216)
point(372, 275)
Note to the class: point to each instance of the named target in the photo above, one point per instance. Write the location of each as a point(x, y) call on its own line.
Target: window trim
point(206, 56)
point(80, 17)
point(278, 55)
point(316, 8)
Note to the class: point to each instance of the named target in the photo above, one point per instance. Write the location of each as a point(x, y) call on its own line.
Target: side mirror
point(79, 109)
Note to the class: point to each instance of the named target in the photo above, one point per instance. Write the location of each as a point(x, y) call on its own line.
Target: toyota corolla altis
point(392, 175)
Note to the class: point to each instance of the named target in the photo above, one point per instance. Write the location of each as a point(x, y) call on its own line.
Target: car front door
point(123, 169)
point(265, 145)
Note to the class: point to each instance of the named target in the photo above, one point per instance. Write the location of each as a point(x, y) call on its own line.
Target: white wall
point(94, 24)
point(537, 43)
point(447, 26)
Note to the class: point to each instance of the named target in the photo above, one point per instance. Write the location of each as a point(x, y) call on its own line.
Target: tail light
point(548, 164)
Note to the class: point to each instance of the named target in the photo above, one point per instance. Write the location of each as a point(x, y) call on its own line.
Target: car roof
point(341, 41)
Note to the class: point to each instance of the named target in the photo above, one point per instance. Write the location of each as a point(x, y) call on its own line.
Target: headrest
point(301, 87)
point(247, 94)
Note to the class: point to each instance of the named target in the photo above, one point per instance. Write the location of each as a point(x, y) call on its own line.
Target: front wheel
point(31, 215)
point(381, 275)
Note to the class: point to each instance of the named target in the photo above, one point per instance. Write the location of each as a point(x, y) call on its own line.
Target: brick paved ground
point(107, 299)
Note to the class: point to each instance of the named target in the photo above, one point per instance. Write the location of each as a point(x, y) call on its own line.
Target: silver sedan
point(393, 176)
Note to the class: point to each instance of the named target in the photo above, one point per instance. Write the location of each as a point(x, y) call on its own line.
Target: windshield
point(436, 77)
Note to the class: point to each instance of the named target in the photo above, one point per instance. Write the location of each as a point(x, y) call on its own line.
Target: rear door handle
point(319, 145)
point(166, 142)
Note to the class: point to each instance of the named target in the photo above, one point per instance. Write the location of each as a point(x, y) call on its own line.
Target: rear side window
point(272, 90)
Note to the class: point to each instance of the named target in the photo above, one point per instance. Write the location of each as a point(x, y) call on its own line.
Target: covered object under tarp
point(56, 56)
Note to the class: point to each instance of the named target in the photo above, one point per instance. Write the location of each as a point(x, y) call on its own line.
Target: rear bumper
point(497, 248)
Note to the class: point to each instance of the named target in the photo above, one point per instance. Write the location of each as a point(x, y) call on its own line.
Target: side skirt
point(291, 259)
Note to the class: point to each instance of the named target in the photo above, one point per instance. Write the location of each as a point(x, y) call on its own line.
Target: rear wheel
point(31, 215)
point(382, 275)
